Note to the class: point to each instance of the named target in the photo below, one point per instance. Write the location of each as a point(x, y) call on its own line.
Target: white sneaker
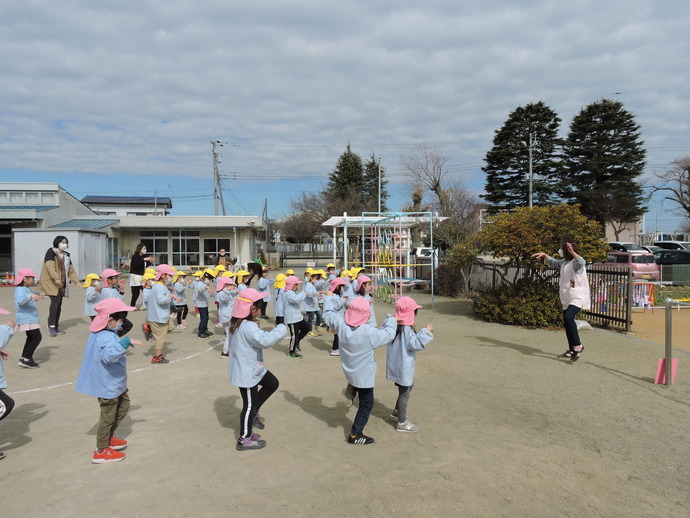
point(335, 352)
point(407, 426)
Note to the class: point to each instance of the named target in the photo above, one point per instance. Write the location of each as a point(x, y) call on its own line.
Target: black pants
point(366, 405)
point(6, 405)
point(280, 320)
point(336, 345)
point(136, 291)
point(33, 338)
point(203, 320)
point(253, 398)
point(182, 312)
point(571, 327)
point(298, 330)
point(55, 310)
point(264, 305)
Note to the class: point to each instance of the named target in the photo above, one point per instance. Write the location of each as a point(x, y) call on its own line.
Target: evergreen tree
point(371, 186)
point(603, 159)
point(507, 163)
point(346, 182)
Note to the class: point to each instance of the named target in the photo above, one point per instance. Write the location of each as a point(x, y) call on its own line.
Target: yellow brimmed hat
point(148, 275)
point(90, 277)
point(198, 273)
point(228, 274)
point(280, 281)
point(243, 273)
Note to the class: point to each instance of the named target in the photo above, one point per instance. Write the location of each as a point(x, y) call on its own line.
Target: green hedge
point(525, 303)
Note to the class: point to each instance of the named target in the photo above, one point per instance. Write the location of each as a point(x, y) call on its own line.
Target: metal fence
point(612, 289)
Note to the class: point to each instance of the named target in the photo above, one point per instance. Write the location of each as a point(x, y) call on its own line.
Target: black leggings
point(298, 330)
point(253, 398)
point(55, 310)
point(136, 290)
point(182, 312)
point(6, 404)
point(33, 338)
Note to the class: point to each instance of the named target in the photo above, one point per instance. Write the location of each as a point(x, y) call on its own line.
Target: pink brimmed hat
point(244, 301)
point(337, 282)
point(163, 269)
point(109, 272)
point(23, 272)
point(4, 311)
point(404, 310)
point(223, 282)
point(290, 281)
point(105, 308)
point(358, 313)
point(361, 280)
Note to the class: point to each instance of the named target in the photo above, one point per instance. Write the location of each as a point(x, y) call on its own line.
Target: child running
point(357, 343)
point(180, 289)
point(103, 374)
point(27, 315)
point(6, 402)
point(246, 369)
point(401, 358)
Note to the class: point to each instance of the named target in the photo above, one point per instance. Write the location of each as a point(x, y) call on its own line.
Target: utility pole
point(217, 188)
point(531, 176)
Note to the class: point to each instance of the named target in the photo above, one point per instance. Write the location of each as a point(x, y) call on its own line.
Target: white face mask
point(560, 252)
point(62, 246)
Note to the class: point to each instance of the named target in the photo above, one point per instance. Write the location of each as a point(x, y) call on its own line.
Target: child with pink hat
point(246, 369)
point(401, 358)
point(292, 313)
point(27, 315)
point(6, 402)
point(363, 289)
point(338, 304)
point(357, 341)
point(158, 310)
point(114, 287)
point(103, 374)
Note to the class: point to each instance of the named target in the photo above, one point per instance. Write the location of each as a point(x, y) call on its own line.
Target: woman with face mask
point(137, 266)
point(56, 272)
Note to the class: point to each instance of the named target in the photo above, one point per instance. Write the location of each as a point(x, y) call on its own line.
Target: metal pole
point(669, 339)
point(379, 185)
point(530, 169)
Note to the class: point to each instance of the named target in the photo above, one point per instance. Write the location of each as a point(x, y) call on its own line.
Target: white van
point(673, 245)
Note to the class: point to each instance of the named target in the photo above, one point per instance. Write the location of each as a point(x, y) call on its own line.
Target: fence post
point(629, 302)
point(668, 308)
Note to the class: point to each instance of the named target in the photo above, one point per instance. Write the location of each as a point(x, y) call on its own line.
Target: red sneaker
point(107, 455)
point(160, 359)
point(117, 444)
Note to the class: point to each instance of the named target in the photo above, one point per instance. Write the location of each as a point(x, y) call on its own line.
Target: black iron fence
point(612, 289)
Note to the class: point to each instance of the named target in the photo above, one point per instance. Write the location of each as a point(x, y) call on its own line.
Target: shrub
point(525, 303)
point(448, 282)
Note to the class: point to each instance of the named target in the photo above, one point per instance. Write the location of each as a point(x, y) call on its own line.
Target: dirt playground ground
point(508, 429)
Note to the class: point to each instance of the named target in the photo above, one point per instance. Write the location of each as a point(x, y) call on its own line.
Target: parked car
point(652, 248)
point(672, 257)
point(625, 246)
point(642, 263)
point(673, 245)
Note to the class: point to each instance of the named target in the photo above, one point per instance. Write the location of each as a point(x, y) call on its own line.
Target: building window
point(16, 197)
point(33, 198)
point(185, 246)
point(212, 247)
point(138, 213)
point(3, 197)
point(48, 198)
point(156, 245)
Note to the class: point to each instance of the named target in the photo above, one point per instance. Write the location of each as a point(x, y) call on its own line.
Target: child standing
point(262, 286)
point(292, 311)
point(6, 402)
point(103, 374)
point(279, 286)
point(338, 304)
point(225, 297)
point(241, 279)
point(93, 286)
point(158, 311)
point(27, 315)
point(180, 289)
point(401, 358)
point(357, 343)
point(362, 290)
point(202, 298)
point(148, 279)
point(114, 287)
point(311, 301)
point(246, 369)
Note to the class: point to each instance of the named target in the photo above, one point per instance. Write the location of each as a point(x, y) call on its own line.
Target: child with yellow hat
point(93, 286)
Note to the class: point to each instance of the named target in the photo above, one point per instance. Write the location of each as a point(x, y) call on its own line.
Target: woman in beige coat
point(56, 272)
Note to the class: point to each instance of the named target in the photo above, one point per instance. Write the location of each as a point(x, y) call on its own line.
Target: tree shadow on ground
point(17, 425)
point(522, 349)
point(227, 412)
point(334, 417)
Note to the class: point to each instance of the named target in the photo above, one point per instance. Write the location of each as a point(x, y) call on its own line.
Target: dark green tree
point(507, 163)
point(603, 159)
point(346, 182)
point(370, 190)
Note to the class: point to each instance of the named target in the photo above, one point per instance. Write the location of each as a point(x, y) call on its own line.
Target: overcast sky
point(124, 97)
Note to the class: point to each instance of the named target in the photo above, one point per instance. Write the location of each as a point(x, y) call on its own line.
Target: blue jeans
point(571, 327)
point(366, 405)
